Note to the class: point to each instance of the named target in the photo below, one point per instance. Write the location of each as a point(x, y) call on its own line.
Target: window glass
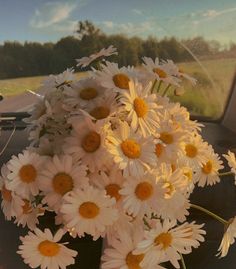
point(45, 37)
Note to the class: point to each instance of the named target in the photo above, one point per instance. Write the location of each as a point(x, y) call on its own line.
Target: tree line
point(33, 58)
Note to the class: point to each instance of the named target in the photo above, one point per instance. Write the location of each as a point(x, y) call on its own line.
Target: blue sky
point(43, 20)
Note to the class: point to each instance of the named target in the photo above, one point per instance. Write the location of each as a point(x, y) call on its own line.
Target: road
point(19, 103)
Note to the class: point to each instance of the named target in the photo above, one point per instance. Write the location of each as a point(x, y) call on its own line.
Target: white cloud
point(212, 13)
point(108, 24)
point(137, 11)
point(51, 13)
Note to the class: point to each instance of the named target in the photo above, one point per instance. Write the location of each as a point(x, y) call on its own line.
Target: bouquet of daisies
point(112, 157)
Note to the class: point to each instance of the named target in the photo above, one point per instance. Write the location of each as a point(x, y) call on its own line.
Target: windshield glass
point(39, 38)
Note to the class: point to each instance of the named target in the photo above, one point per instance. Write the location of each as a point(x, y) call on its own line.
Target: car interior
point(218, 130)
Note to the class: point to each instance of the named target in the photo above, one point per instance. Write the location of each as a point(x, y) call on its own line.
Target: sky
point(43, 20)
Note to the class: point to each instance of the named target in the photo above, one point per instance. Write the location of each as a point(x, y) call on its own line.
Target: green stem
point(159, 86)
point(229, 173)
point(146, 223)
point(153, 86)
point(98, 65)
point(166, 90)
point(182, 262)
point(223, 221)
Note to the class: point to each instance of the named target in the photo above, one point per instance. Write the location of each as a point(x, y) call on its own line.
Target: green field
point(11, 87)
point(207, 98)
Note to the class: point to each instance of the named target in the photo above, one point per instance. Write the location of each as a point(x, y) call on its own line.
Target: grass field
point(207, 98)
point(11, 87)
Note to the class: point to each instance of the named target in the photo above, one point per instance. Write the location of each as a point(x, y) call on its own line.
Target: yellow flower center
point(6, 194)
point(91, 142)
point(207, 167)
point(27, 173)
point(144, 191)
point(113, 191)
point(189, 175)
point(131, 149)
point(48, 248)
point(140, 107)
point(133, 261)
point(191, 150)
point(170, 190)
point(26, 207)
point(121, 81)
point(100, 112)
point(62, 183)
point(88, 94)
point(164, 239)
point(159, 149)
point(89, 210)
point(166, 138)
point(161, 73)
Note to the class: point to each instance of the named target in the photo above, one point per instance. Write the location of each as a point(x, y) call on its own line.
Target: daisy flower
point(24, 173)
point(104, 108)
point(85, 61)
point(59, 176)
point(160, 152)
point(194, 151)
point(120, 254)
point(174, 204)
point(84, 93)
point(88, 211)
point(11, 203)
point(142, 195)
point(174, 180)
point(42, 249)
point(141, 106)
point(170, 137)
point(228, 238)
point(208, 173)
point(28, 215)
point(159, 71)
point(179, 72)
point(193, 234)
point(166, 242)
point(60, 81)
point(189, 173)
point(113, 77)
point(111, 181)
point(230, 157)
point(130, 150)
point(86, 143)
point(181, 118)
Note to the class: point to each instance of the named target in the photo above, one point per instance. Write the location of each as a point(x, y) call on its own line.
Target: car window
point(46, 37)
